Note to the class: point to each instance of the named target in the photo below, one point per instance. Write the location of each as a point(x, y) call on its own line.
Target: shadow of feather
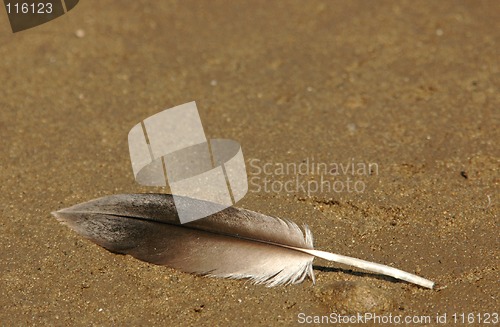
point(359, 274)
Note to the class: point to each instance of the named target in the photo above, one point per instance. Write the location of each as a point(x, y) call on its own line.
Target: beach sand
point(409, 89)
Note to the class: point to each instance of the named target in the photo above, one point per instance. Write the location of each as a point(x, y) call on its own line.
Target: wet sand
point(410, 87)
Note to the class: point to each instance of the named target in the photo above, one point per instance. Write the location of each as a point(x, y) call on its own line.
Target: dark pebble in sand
point(353, 298)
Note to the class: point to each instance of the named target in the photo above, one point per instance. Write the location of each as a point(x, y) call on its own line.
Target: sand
point(409, 87)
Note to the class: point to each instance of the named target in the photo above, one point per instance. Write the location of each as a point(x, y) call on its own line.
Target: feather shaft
point(371, 266)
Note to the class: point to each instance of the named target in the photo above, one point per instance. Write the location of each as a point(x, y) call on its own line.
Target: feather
point(233, 243)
